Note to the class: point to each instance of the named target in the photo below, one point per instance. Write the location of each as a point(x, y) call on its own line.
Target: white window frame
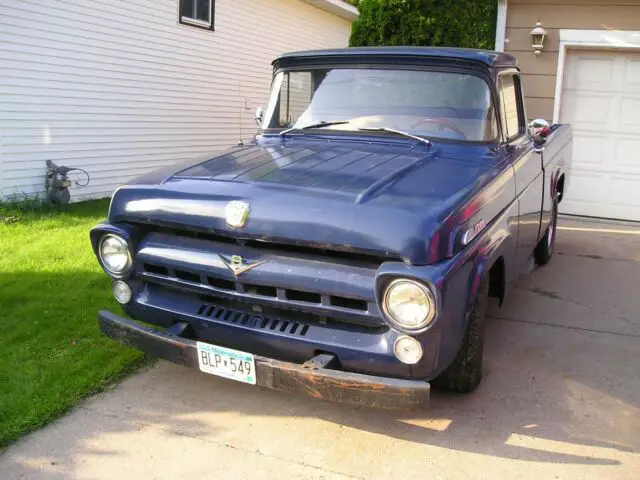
point(195, 21)
point(589, 40)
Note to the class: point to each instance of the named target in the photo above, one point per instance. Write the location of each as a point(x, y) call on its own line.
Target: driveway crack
point(557, 296)
point(596, 257)
point(566, 327)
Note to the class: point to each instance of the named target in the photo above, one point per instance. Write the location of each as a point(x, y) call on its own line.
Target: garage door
point(601, 99)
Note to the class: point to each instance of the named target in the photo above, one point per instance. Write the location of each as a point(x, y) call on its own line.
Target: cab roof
point(486, 57)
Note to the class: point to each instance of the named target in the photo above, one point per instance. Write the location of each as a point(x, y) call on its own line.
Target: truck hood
point(381, 198)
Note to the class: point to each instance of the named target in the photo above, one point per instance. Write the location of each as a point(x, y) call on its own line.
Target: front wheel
point(465, 373)
point(544, 249)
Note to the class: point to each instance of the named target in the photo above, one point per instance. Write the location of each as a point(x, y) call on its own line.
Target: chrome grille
point(334, 305)
point(336, 253)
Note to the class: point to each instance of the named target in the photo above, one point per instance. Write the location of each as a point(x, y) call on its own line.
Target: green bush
point(453, 23)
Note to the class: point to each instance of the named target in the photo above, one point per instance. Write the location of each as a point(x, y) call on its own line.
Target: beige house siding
point(120, 87)
point(539, 72)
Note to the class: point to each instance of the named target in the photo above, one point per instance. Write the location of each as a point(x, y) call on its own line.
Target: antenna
point(240, 142)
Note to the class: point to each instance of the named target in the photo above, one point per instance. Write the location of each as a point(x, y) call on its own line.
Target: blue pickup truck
point(349, 251)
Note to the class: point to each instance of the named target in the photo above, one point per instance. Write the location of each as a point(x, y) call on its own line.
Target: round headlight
point(409, 304)
point(114, 254)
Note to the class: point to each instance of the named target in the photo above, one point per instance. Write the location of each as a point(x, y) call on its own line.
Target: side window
point(197, 12)
point(512, 117)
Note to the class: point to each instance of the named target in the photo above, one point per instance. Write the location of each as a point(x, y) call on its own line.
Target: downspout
point(501, 25)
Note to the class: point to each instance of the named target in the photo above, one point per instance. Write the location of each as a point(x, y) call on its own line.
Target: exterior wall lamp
point(538, 35)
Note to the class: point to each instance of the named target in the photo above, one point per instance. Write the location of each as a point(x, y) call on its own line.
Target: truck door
point(526, 164)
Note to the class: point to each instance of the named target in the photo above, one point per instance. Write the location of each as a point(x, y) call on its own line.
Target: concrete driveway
point(561, 399)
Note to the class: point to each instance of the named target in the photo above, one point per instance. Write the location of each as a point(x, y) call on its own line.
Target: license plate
point(227, 363)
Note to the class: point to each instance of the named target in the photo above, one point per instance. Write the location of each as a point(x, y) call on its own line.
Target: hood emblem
point(236, 213)
point(238, 266)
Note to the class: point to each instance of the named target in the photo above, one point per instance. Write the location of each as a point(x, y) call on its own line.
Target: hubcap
point(551, 230)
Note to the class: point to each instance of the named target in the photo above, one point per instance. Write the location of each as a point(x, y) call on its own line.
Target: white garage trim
point(590, 39)
point(501, 26)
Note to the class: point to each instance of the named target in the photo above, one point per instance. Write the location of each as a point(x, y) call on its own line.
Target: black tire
point(546, 245)
point(465, 373)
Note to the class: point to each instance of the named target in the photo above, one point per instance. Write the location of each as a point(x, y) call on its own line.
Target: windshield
point(426, 103)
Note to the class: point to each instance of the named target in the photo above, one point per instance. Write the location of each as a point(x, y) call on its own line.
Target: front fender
point(131, 233)
point(456, 282)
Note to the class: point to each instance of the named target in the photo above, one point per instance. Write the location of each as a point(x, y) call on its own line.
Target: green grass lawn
point(51, 353)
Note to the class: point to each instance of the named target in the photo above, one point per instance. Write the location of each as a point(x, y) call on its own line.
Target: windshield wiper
point(398, 132)
point(314, 125)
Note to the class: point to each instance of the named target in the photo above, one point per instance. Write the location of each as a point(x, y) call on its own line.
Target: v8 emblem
point(238, 266)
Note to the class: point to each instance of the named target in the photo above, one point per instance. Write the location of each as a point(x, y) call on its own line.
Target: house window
point(197, 12)
point(512, 115)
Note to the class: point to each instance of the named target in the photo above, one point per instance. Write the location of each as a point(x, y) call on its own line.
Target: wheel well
point(560, 187)
point(497, 279)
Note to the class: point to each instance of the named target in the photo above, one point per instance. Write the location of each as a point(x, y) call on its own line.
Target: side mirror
point(539, 130)
point(259, 115)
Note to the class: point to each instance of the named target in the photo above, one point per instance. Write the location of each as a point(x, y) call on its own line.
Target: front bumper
point(312, 378)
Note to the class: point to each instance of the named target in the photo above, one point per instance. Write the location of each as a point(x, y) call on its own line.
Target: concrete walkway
point(561, 399)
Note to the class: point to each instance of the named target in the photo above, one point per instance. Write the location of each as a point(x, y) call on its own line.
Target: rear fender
point(556, 162)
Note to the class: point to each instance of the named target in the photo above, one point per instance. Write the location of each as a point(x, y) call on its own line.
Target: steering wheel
point(443, 124)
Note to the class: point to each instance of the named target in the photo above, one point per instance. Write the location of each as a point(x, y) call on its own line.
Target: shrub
point(453, 23)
